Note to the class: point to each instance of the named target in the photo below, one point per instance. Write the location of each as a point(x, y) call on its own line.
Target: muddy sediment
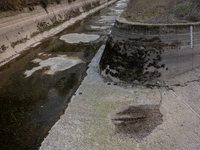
point(135, 59)
point(137, 121)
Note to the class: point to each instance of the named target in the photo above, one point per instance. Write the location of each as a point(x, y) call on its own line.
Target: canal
point(36, 87)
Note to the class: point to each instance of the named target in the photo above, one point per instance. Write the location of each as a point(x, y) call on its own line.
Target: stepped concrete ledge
point(113, 117)
point(21, 30)
point(152, 51)
point(123, 20)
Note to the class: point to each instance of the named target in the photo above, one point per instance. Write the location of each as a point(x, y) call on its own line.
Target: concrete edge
point(34, 41)
point(122, 20)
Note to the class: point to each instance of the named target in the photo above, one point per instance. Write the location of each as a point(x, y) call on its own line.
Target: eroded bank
point(141, 53)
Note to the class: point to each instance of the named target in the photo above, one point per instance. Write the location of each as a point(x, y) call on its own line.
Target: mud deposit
point(131, 59)
point(137, 121)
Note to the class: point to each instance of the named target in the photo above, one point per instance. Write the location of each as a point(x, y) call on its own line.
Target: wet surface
point(75, 38)
point(54, 64)
point(31, 104)
point(137, 121)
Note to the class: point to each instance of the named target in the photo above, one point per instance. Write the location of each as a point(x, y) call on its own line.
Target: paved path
point(86, 123)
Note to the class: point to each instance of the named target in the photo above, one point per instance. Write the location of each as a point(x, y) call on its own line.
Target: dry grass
point(162, 11)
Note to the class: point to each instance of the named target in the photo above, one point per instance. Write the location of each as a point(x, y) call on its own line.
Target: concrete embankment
point(113, 117)
point(20, 30)
point(143, 52)
point(105, 116)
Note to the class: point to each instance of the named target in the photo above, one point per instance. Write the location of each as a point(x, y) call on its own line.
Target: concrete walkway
point(88, 121)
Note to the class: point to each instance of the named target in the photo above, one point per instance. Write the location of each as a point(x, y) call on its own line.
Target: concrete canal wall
point(21, 29)
point(138, 52)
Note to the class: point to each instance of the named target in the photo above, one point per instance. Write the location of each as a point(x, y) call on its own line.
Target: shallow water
point(75, 38)
point(36, 87)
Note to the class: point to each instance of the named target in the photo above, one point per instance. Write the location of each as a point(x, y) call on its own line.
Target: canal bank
point(105, 115)
point(21, 30)
point(151, 51)
point(37, 87)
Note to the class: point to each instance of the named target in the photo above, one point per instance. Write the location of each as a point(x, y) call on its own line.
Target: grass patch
point(162, 11)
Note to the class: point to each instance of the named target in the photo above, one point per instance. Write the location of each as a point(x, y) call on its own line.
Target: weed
point(96, 4)
point(43, 26)
point(3, 48)
point(87, 7)
point(72, 13)
point(22, 40)
point(34, 34)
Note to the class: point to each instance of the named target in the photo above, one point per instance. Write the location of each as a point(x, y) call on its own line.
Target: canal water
point(36, 87)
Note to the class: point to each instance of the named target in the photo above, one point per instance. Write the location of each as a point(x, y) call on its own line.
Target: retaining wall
point(21, 29)
point(139, 53)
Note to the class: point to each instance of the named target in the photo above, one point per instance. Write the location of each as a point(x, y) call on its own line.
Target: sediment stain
point(137, 121)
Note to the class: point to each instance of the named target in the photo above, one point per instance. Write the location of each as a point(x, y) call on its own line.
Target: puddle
point(55, 64)
point(137, 121)
point(74, 38)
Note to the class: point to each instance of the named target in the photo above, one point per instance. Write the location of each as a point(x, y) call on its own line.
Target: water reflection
point(30, 106)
